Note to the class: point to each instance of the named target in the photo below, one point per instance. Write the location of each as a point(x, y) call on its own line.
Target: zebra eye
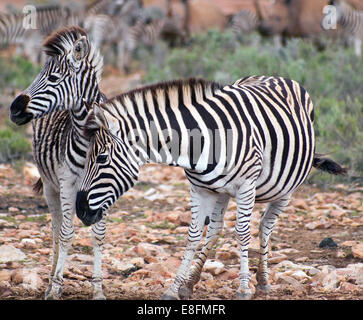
point(53, 78)
point(102, 158)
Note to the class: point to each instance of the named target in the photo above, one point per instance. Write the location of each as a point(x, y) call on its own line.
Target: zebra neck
point(80, 112)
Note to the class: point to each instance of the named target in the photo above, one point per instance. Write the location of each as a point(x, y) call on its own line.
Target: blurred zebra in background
point(120, 32)
point(243, 22)
point(16, 30)
point(351, 20)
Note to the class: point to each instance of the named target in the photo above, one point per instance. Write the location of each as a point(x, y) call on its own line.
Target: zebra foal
point(252, 140)
point(73, 68)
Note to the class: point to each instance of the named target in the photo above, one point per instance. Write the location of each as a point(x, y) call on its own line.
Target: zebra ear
point(80, 49)
point(99, 117)
point(95, 120)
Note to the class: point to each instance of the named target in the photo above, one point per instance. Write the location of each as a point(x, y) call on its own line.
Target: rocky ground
point(146, 237)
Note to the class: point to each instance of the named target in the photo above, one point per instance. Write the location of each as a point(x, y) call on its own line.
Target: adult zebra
point(351, 20)
point(252, 140)
point(73, 70)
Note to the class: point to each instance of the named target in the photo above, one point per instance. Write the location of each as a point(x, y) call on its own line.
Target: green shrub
point(16, 72)
point(13, 145)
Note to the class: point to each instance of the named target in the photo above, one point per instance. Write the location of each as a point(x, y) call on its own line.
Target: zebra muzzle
point(18, 115)
point(84, 212)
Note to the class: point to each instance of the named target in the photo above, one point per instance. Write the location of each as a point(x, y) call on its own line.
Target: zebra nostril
point(17, 110)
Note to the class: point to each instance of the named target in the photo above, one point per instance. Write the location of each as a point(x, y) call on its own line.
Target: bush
point(16, 72)
point(333, 77)
point(13, 145)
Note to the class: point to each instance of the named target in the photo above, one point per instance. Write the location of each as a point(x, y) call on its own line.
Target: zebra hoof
point(246, 295)
point(185, 292)
point(169, 295)
point(99, 296)
point(263, 288)
point(53, 293)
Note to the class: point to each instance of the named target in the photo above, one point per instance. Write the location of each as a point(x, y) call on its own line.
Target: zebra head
point(109, 172)
point(71, 73)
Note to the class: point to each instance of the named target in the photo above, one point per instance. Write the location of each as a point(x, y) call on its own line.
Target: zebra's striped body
point(244, 22)
point(59, 146)
point(351, 20)
point(252, 140)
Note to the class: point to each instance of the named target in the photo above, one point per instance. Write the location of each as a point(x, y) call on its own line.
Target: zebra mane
point(61, 42)
point(169, 85)
point(91, 126)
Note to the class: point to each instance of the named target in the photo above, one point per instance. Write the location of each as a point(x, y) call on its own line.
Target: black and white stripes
point(252, 140)
point(69, 80)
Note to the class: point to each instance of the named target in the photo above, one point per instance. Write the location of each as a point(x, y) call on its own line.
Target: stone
point(9, 253)
point(148, 249)
point(28, 243)
point(357, 250)
point(300, 204)
point(223, 255)
point(5, 275)
point(319, 224)
point(31, 279)
point(181, 230)
point(349, 287)
point(299, 275)
point(214, 267)
point(123, 267)
point(276, 257)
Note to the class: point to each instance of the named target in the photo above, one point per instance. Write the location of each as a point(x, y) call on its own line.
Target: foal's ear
point(80, 48)
point(100, 118)
point(79, 51)
point(95, 120)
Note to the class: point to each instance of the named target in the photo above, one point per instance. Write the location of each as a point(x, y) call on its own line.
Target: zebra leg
point(267, 223)
point(214, 228)
point(202, 204)
point(98, 232)
point(245, 200)
point(54, 205)
point(66, 236)
point(357, 46)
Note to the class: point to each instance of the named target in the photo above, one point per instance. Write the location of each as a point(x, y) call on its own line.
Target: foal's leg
point(267, 223)
point(53, 201)
point(214, 227)
point(98, 232)
point(202, 205)
point(66, 235)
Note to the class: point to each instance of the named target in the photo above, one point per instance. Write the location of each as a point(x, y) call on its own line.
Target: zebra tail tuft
point(38, 186)
point(328, 165)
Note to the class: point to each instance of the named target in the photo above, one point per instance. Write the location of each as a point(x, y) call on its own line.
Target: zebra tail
point(38, 186)
point(328, 165)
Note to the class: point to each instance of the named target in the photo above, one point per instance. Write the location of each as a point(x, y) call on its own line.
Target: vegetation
point(332, 76)
point(16, 73)
point(13, 145)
